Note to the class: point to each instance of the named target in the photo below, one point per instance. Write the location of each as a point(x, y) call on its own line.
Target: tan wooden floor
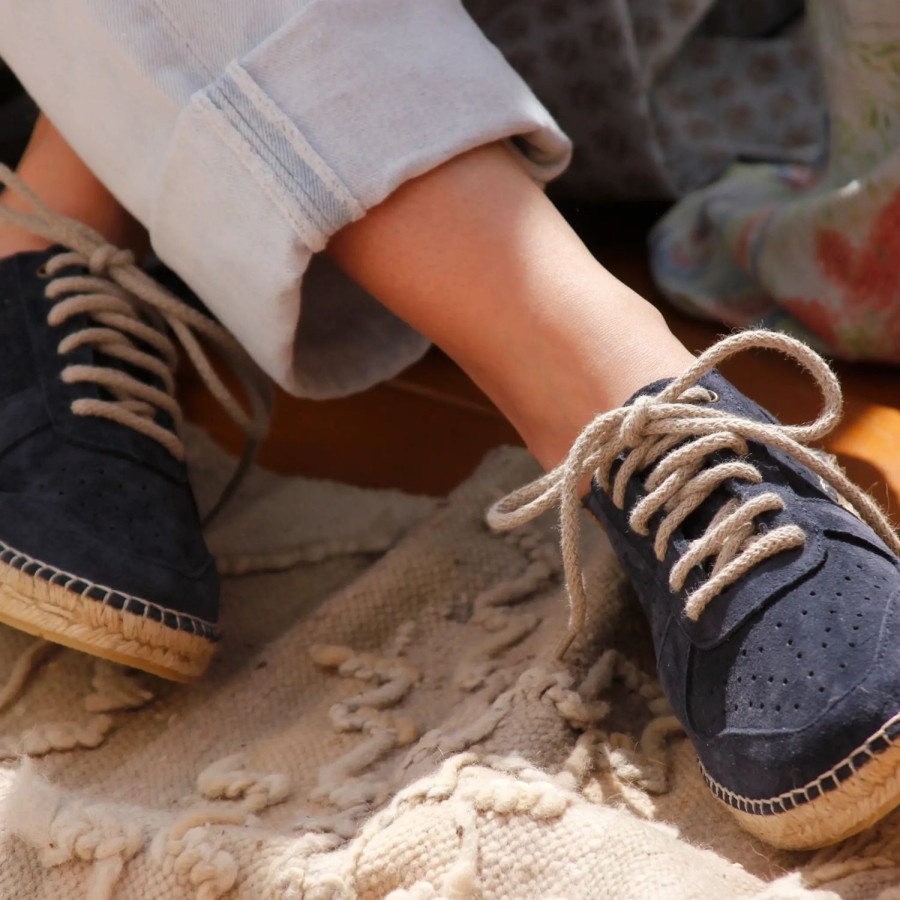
point(427, 429)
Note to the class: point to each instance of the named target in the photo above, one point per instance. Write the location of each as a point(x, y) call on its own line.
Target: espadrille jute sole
point(855, 794)
point(49, 610)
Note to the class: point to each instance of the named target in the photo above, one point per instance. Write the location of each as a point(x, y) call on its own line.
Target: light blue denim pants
point(244, 133)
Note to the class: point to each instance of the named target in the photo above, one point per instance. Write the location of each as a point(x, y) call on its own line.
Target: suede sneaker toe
point(772, 587)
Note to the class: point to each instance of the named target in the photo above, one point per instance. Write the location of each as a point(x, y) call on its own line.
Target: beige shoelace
point(672, 434)
point(127, 306)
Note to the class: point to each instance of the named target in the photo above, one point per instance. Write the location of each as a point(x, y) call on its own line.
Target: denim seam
point(274, 114)
point(260, 147)
point(297, 178)
point(246, 154)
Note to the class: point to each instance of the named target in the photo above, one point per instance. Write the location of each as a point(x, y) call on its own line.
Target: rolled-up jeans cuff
point(353, 97)
point(275, 144)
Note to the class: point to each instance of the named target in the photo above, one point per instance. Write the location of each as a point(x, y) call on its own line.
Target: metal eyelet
point(713, 396)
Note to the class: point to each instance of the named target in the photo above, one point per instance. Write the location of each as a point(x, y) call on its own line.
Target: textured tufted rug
point(385, 718)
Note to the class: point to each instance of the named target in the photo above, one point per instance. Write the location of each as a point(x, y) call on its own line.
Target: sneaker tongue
point(726, 612)
point(729, 400)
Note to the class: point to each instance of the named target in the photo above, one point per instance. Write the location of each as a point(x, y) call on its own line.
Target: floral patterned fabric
point(811, 249)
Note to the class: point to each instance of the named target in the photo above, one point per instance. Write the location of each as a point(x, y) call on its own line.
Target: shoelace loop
point(128, 308)
point(672, 434)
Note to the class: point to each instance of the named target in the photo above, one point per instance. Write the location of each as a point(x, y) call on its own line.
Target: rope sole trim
point(857, 792)
point(40, 606)
point(107, 596)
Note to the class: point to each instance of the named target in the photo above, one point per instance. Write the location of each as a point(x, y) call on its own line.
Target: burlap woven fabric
point(385, 719)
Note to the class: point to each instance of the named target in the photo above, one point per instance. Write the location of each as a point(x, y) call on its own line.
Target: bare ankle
point(15, 240)
point(52, 170)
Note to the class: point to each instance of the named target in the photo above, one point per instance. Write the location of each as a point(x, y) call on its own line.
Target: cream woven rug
point(385, 719)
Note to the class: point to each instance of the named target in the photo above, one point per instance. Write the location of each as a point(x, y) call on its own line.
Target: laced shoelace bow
point(128, 308)
point(671, 434)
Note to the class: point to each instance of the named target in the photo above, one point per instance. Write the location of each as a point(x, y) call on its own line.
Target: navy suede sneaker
point(100, 541)
point(772, 588)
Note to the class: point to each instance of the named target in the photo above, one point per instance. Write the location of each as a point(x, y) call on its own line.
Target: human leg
point(476, 257)
point(55, 172)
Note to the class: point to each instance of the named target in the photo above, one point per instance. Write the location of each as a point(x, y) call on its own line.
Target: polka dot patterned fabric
point(659, 96)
